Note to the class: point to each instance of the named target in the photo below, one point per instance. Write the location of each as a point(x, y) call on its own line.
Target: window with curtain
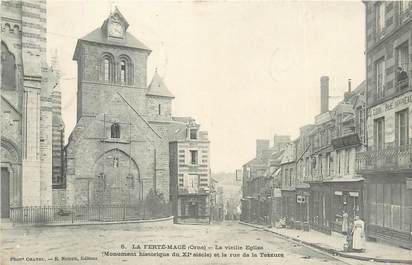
point(379, 133)
point(380, 17)
point(401, 128)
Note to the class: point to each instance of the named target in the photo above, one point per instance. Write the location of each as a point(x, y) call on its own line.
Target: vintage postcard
point(206, 132)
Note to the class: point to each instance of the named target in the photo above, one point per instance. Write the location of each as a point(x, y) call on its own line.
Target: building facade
point(27, 84)
point(288, 185)
point(335, 187)
point(190, 175)
point(261, 183)
point(386, 164)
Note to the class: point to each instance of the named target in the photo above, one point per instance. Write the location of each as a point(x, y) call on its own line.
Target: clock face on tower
point(115, 29)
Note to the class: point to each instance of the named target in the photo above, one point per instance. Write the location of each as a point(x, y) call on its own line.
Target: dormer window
point(193, 134)
point(115, 131)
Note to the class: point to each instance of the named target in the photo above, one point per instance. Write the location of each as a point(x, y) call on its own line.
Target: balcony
point(384, 94)
point(393, 158)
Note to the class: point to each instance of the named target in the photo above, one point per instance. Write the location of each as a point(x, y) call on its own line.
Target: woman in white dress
point(358, 233)
point(345, 221)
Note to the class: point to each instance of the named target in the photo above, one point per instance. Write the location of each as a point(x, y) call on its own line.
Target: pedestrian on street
point(345, 222)
point(358, 235)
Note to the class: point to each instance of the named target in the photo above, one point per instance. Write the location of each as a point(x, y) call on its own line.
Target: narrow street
point(67, 245)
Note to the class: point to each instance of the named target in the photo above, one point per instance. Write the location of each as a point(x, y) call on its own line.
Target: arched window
point(115, 130)
point(106, 70)
point(8, 69)
point(16, 29)
point(126, 70)
point(7, 28)
point(123, 72)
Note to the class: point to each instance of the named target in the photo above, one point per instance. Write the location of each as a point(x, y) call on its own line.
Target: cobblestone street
point(51, 244)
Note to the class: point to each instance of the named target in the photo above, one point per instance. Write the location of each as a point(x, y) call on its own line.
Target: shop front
point(302, 208)
point(388, 208)
point(289, 205)
point(320, 207)
point(347, 201)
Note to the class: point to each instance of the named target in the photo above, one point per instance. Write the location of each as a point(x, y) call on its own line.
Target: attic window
point(160, 109)
point(193, 134)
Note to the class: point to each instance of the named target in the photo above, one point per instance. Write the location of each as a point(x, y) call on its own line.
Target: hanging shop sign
point(353, 193)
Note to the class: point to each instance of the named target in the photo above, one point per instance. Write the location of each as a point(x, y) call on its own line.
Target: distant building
point(261, 179)
point(190, 175)
point(288, 184)
point(387, 164)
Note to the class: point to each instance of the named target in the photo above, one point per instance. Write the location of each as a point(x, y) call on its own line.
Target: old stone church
point(119, 148)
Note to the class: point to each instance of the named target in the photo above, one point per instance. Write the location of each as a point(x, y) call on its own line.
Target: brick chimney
point(261, 145)
point(324, 94)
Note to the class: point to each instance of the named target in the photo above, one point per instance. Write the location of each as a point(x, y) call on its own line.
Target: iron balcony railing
point(83, 214)
point(387, 158)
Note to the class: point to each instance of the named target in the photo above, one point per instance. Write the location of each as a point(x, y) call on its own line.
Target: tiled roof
point(158, 88)
point(99, 36)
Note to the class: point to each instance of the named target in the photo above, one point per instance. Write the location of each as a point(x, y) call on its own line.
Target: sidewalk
point(6, 224)
point(333, 244)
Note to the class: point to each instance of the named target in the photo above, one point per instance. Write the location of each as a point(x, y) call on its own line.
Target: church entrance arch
point(116, 180)
point(10, 177)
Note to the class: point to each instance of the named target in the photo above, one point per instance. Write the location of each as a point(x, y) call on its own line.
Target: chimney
point(261, 145)
point(349, 85)
point(324, 94)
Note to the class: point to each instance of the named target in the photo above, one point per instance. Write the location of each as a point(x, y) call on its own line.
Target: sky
point(243, 70)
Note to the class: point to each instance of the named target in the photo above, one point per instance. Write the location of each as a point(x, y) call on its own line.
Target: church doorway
point(193, 210)
point(5, 192)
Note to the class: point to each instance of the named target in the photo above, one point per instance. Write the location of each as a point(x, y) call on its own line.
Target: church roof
point(99, 35)
point(158, 88)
